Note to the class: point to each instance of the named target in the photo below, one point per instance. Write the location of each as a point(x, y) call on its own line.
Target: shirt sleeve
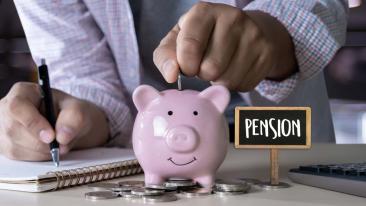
point(79, 59)
point(317, 28)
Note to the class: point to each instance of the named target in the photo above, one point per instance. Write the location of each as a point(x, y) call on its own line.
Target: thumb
point(165, 56)
point(71, 122)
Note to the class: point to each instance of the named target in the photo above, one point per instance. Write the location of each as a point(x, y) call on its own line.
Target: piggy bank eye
point(170, 113)
point(195, 113)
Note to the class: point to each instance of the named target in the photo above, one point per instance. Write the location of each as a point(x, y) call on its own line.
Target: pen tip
point(43, 61)
point(55, 156)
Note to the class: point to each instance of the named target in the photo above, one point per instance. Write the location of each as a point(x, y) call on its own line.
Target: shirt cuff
point(119, 115)
point(314, 44)
point(276, 91)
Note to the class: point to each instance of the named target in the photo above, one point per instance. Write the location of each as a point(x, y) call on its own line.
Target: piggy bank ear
point(143, 95)
point(218, 95)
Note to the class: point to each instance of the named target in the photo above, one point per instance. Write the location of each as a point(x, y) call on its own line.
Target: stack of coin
point(131, 190)
point(197, 192)
point(101, 186)
point(180, 184)
point(160, 198)
point(230, 187)
point(162, 187)
point(142, 191)
point(100, 195)
point(131, 183)
point(137, 190)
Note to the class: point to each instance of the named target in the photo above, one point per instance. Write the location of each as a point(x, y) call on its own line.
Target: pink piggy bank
point(180, 133)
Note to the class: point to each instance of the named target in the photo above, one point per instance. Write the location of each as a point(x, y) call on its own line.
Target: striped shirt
point(92, 50)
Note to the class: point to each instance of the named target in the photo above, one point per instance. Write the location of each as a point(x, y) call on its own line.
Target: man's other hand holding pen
point(25, 133)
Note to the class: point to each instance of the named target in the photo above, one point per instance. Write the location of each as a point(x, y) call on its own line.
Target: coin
point(103, 186)
point(159, 187)
point(128, 195)
point(171, 191)
point(122, 189)
point(161, 198)
point(132, 183)
point(231, 186)
point(179, 82)
point(100, 195)
point(145, 192)
point(226, 193)
point(196, 192)
point(180, 183)
point(179, 179)
point(221, 182)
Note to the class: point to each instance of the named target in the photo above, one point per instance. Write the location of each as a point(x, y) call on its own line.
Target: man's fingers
point(71, 122)
point(69, 125)
point(19, 152)
point(26, 113)
point(27, 90)
point(195, 29)
point(165, 56)
point(21, 145)
point(255, 74)
point(222, 45)
point(238, 67)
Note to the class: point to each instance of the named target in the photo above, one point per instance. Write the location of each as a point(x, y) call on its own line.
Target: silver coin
point(122, 189)
point(179, 179)
point(226, 193)
point(162, 198)
point(179, 82)
point(160, 187)
point(103, 186)
point(221, 182)
point(128, 195)
point(231, 185)
point(146, 192)
point(197, 192)
point(100, 195)
point(231, 188)
point(179, 183)
point(170, 191)
point(131, 183)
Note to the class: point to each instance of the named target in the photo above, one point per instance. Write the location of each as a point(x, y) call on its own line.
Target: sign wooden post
point(274, 167)
point(273, 128)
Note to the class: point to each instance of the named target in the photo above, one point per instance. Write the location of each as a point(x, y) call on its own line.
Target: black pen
point(44, 82)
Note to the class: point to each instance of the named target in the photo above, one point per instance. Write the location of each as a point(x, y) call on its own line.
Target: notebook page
point(12, 170)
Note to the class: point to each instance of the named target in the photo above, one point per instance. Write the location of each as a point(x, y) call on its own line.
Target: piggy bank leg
point(153, 179)
point(207, 181)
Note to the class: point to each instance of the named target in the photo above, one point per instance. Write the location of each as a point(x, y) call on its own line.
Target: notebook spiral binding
point(79, 176)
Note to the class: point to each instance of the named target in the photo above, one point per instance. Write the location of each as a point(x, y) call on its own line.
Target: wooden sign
point(273, 127)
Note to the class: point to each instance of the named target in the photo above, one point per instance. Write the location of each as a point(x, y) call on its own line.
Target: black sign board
point(273, 127)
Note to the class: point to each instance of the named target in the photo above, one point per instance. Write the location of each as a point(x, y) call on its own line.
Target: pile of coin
point(230, 187)
point(167, 192)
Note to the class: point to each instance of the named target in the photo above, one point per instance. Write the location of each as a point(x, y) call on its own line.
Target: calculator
point(347, 178)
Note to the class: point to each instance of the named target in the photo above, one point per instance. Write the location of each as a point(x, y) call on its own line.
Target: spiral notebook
point(76, 168)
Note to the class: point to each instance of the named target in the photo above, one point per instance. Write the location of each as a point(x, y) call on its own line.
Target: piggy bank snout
point(182, 139)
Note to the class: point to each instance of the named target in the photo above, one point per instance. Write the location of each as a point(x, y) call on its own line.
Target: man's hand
point(25, 133)
point(228, 46)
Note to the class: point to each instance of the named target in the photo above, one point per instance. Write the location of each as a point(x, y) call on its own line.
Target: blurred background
point(345, 75)
point(346, 80)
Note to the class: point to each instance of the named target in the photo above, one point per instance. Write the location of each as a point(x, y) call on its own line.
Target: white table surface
point(238, 163)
